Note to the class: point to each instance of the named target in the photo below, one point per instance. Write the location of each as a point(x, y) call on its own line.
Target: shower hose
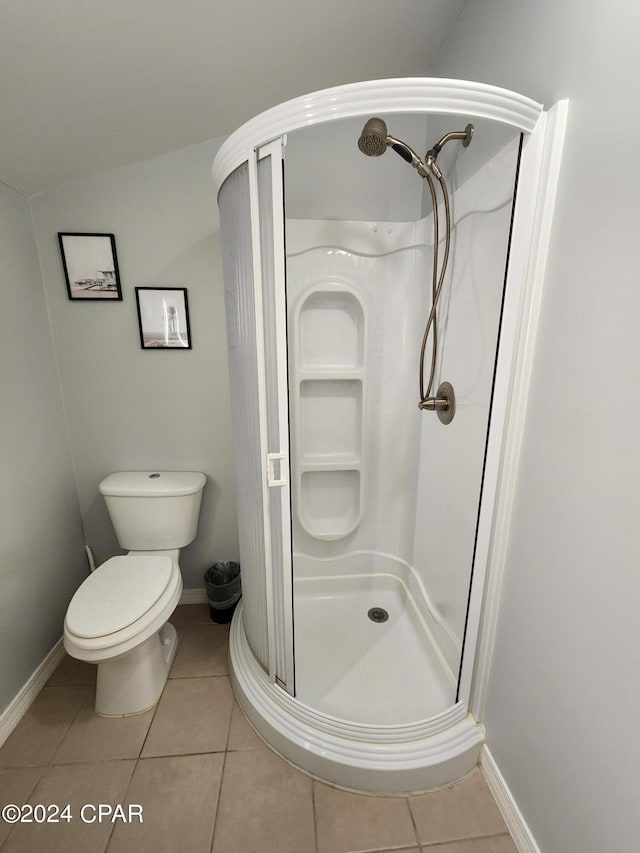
point(437, 280)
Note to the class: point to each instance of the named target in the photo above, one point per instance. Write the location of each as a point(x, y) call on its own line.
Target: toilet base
point(132, 683)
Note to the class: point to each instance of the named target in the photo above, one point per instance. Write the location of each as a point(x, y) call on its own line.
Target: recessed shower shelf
point(330, 322)
point(330, 372)
point(333, 462)
point(327, 381)
point(330, 504)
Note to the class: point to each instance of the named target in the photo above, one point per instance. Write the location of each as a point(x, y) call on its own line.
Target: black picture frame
point(90, 266)
point(163, 318)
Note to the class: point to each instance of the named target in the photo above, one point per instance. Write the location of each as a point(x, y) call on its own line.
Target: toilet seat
point(120, 640)
point(117, 594)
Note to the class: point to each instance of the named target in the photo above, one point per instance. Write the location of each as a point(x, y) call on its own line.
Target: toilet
point(117, 618)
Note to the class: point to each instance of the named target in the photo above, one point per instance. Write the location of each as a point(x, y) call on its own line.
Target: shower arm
point(465, 135)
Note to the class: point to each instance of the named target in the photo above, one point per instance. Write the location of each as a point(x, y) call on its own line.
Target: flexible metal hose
point(437, 280)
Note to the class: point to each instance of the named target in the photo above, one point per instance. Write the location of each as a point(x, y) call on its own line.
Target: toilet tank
point(154, 510)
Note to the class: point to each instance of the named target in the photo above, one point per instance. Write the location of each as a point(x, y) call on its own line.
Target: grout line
point(315, 816)
point(184, 677)
point(219, 797)
point(401, 849)
point(222, 774)
point(157, 705)
point(434, 846)
point(42, 768)
point(125, 799)
point(413, 821)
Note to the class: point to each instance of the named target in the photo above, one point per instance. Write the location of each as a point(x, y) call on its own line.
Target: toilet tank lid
point(152, 483)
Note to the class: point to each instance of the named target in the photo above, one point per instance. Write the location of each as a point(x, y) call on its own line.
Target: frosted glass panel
point(275, 441)
point(235, 228)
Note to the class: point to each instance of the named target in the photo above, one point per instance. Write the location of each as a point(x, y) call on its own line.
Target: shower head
point(373, 139)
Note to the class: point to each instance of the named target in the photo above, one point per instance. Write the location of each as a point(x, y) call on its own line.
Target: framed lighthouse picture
point(163, 317)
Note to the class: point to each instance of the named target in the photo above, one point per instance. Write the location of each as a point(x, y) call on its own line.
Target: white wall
point(134, 409)
point(42, 557)
point(561, 713)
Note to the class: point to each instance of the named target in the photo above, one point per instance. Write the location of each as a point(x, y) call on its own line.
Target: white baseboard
point(520, 832)
point(16, 709)
point(194, 596)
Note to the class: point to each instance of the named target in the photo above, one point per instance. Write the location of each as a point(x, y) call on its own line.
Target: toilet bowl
point(117, 618)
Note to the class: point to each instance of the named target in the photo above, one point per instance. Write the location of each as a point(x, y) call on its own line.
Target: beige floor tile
point(191, 614)
point(94, 738)
point(178, 796)
point(203, 650)
point(193, 715)
point(73, 671)
point(200, 615)
point(77, 785)
point(16, 785)
point(241, 734)
point(180, 614)
point(348, 822)
point(265, 806)
point(494, 844)
point(464, 810)
point(38, 734)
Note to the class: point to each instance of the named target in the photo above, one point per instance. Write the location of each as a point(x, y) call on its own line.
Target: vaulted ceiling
point(89, 85)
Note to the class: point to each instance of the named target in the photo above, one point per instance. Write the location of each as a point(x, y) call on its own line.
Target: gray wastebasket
point(224, 589)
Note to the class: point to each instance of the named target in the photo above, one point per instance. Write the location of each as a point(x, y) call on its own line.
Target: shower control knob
point(444, 403)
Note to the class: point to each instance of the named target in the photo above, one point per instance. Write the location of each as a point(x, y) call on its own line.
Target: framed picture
point(90, 266)
point(163, 317)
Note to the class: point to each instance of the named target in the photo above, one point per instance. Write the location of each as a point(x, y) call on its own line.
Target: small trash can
point(223, 590)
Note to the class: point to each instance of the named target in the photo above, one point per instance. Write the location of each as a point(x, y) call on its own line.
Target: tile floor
point(205, 781)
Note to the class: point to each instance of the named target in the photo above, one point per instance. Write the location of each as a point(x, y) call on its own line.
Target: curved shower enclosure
point(380, 322)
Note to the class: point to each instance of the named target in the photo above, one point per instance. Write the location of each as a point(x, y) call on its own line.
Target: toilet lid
point(117, 593)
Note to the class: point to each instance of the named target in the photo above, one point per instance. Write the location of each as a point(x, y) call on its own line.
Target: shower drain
point(378, 614)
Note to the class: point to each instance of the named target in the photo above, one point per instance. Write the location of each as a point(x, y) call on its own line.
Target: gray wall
point(42, 557)
point(130, 409)
point(562, 706)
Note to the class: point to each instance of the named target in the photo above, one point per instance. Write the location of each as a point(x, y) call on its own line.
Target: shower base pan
point(397, 757)
point(364, 653)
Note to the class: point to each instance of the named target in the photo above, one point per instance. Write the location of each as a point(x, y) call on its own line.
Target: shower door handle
point(271, 470)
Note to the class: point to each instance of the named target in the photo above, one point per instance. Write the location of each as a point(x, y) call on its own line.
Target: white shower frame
point(446, 746)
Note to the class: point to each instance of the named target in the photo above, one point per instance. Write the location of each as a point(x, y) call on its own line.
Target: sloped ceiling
point(89, 85)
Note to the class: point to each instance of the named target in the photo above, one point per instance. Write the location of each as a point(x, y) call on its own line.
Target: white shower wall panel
point(353, 383)
point(449, 479)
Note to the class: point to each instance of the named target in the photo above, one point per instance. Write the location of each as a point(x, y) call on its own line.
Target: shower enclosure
point(372, 515)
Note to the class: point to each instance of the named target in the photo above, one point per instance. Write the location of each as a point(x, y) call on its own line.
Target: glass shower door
point(251, 217)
